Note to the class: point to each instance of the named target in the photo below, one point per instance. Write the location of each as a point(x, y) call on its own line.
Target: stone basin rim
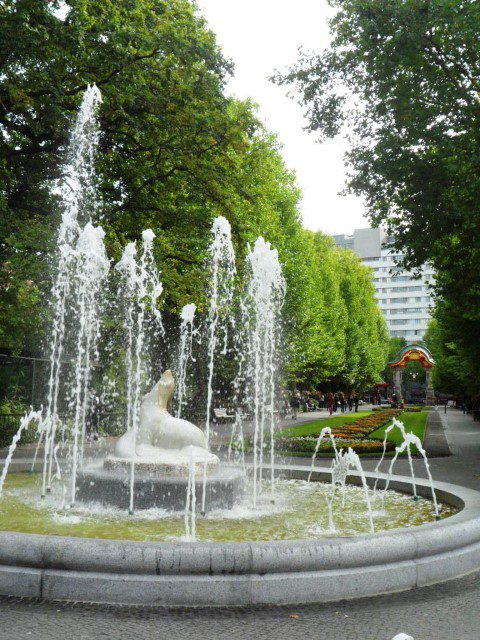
point(243, 573)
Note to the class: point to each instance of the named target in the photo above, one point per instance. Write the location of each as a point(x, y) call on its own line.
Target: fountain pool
point(299, 512)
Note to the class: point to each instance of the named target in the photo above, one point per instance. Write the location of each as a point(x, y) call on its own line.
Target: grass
point(414, 422)
point(314, 428)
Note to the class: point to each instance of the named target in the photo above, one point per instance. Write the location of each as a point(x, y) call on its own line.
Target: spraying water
point(322, 435)
point(24, 424)
point(352, 460)
point(222, 266)
point(190, 504)
point(396, 424)
point(91, 269)
point(185, 352)
point(410, 440)
point(264, 300)
point(77, 191)
point(140, 289)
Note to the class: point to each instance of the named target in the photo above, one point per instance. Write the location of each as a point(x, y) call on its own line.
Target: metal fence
point(23, 377)
point(99, 424)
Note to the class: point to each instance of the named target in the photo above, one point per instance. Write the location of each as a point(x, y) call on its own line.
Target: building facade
point(405, 301)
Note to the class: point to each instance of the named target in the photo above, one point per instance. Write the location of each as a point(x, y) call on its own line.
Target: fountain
point(164, 450)
point(124, 525)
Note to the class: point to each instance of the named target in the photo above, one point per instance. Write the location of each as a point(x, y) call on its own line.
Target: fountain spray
point(223, 271)
point(185, 352)
point(92, 267)
point(263, 303)
point(24, 424)
point(141, 289)
point(77, 191)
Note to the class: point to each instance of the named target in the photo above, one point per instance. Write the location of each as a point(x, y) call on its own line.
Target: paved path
point(444, 612)
point(449, 611)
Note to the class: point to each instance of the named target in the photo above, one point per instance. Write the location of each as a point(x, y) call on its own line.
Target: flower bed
point(362, 427)
point(353, 434)
point(306, 445)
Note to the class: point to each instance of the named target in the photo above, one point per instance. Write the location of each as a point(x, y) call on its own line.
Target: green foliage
point(453, 372)
point(403, 79)
point(175, 152)
point(340, 336)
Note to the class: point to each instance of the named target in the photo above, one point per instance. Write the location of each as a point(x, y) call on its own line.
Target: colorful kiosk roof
point(413, 353)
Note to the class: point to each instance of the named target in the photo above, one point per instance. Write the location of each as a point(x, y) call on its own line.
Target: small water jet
point(185, 352)
point(140, 289)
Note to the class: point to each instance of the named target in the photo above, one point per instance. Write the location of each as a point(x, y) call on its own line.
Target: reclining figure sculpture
point(162, 439)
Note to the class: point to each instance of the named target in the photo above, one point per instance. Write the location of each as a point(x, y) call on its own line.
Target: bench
point(221, 414)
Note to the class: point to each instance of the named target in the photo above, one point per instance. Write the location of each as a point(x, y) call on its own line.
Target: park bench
point(221, 415)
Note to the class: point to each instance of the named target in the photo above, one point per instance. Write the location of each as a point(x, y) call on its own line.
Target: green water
point(299, 512)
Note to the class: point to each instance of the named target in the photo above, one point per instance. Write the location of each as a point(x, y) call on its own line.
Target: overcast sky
point(261, 36)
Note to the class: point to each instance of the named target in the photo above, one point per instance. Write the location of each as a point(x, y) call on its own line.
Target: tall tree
point(174, 153)
point(403, 78)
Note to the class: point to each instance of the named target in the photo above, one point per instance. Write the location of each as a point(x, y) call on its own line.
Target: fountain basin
point(157, 486)
point(279, 572)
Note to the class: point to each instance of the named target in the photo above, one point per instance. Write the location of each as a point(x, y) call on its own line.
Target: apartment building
point(405, 301)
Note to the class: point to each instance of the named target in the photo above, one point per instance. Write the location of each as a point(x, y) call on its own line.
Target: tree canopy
point(175, 152)
point(402, 77)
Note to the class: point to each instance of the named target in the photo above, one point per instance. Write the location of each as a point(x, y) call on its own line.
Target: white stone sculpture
point(162, 440)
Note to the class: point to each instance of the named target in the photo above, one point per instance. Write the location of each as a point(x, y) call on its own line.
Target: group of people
point(342, 401)
point(311, 401)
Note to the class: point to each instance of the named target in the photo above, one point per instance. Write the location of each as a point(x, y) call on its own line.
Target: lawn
point(414, 422)
point(313, 428)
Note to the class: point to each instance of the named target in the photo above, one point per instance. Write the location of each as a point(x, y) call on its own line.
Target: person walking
point(341, 398)
point(350, 403)
point(330, 402)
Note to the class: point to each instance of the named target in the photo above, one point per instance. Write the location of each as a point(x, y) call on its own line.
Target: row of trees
point(175, 153)
point(403, 78)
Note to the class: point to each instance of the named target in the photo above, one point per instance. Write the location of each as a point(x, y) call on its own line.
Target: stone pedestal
point(158, 488)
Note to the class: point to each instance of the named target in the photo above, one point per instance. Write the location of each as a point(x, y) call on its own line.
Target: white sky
point(261, 36)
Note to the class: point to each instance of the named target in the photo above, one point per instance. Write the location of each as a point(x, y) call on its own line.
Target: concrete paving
point(449, 611)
